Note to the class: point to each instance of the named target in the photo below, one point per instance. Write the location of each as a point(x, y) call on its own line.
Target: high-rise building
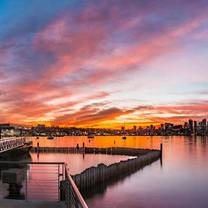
point(191, 125)
point(195, 127)
point(186, 125)
point(204, 126)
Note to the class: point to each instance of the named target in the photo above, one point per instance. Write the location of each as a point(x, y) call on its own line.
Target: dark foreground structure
point(70, 189)
point(96, 179)
point(12, 148)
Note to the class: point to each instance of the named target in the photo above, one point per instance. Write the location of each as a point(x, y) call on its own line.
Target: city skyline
point(89, 64)
point(189, 128)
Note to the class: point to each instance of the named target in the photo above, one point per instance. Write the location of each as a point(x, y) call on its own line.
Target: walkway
point(24, 204)
point(11, 143)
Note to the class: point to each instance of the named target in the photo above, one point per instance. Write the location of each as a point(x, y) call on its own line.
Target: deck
point(32, 204)
point(9, 144)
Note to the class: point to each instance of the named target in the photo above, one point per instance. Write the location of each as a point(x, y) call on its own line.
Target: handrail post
point(26, 187)
point(74, 194)
point(68, 191)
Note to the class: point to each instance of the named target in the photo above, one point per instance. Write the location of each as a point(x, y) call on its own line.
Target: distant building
point(5, 126)
point(191, 125)
point(195, 127)
point(168, 126)
point(7, 129)
point(204, 126)
point(40, 126)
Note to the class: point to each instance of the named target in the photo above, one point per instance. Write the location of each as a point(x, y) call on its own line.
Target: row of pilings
point(102, 174)
point(93, 150)
point(96, 179)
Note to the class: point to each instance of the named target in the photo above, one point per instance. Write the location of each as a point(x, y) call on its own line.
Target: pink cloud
point(85, 53)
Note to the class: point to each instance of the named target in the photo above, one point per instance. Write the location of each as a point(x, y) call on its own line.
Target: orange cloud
point(80, 53)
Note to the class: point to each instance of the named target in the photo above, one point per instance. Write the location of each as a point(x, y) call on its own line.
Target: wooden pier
point(93, 150)
point(101, 175)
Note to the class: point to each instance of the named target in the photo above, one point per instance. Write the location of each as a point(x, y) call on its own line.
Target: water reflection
point(180, 179)
point(78, 162)
point(101, 141)
point(12, 178)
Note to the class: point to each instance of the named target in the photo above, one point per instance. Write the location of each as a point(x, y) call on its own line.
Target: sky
point(102, 63)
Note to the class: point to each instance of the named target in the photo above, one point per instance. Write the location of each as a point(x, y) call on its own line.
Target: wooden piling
point(161, 149)
point(101, 174)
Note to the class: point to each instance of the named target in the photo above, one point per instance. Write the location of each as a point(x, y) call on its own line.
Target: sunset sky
point(99, 63)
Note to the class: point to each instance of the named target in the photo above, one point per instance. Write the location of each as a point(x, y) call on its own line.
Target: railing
point(11, 143)
point(73, 197)
point(44, 181)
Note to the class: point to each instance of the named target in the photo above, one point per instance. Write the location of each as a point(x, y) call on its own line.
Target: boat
point(90, 136)
point(124, 137)
point(50, 137)
point(124, 132)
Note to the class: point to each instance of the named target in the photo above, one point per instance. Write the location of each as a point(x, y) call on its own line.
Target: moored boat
point(50, 137)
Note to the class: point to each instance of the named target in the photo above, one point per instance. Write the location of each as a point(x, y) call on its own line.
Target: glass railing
point(39, 181)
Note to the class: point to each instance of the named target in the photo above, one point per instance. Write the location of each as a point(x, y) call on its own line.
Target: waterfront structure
point(12, 147)
point(63, 187)
point(12, 130)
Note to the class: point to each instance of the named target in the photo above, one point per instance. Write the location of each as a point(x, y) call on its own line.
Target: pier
point(94, 150)
point(9, 144)
point(95, 179)
point(102, 175)
point(55, 187)
point(46, 181)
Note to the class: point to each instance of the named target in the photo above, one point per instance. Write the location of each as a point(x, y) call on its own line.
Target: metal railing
point(45, 181)
point(73, 197)
point(11, 143)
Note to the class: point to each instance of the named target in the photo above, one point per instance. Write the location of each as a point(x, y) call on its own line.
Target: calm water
point(181, 180)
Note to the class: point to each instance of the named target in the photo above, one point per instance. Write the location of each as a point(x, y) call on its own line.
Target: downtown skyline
point(100, 64)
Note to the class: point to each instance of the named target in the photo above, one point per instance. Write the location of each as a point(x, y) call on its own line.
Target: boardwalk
point(35, 204)
point(11, 143)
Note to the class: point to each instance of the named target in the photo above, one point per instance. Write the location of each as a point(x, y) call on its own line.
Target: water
point(179, 180)
point(76, 162)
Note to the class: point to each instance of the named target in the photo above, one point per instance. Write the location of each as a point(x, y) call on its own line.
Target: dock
point(102, 175)
point(67, 189)
point(25, 204)
point(9, 144)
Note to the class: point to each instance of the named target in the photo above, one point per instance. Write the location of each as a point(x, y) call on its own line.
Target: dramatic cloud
point(68, 63)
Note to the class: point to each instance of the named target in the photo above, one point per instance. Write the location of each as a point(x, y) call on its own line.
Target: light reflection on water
point(181, 181)
point(101, 141)
point(78, 162)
